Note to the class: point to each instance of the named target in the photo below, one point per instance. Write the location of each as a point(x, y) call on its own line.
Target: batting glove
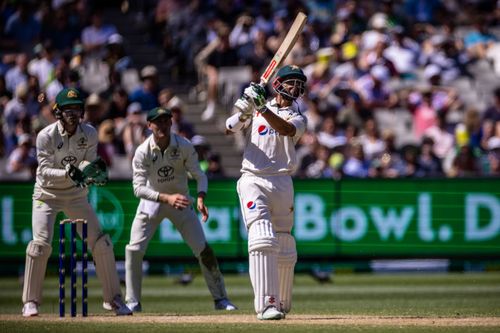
point(245, 108)
point(258, 95)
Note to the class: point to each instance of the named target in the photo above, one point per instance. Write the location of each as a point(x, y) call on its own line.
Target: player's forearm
point(278, 124)
point(144, 192)
point(235, 123)
point(52, 173)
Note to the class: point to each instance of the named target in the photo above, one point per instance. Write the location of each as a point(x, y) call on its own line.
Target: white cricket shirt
point(267, 153)
point(166, 172)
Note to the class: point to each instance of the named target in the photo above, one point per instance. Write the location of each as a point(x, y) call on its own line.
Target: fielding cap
point(158, 112)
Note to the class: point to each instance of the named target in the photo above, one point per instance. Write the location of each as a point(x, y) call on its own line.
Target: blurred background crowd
point(396, 88)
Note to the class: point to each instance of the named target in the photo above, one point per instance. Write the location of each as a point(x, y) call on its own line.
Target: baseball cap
point(158, 112)
point(69, 96)
point(115, 39)
point(93, 100)
point(149, 71)
point(134, 108)
point(23, 139)
point(380, 72)
point(199, 140)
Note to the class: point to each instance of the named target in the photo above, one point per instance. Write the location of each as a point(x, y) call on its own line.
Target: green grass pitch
point(468, 302)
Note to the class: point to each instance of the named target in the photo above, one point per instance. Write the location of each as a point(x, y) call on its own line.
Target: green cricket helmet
point(294, 79)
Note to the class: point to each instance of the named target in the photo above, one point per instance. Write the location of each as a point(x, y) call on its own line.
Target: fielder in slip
point(161, 165)
point(62, 148)
point(265, 188)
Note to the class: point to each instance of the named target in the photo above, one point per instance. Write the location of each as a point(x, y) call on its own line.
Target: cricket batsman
point(265, 188)
point(63, 149)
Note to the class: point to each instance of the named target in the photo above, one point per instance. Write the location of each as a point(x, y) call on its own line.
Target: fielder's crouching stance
point(265, 188)
point(160, 180)
point(60, 185)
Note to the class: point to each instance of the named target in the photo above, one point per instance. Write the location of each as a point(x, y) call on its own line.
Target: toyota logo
point(165, 171)
point(68, 160)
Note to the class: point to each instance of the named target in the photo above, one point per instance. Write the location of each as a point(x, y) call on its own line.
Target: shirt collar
point(153, 145)
point(63, 132)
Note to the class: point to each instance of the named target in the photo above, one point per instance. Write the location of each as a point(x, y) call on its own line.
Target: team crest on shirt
point(165, 174)
point(68, 160)
point(251, 205)
point(174, 154)
point(82, 143)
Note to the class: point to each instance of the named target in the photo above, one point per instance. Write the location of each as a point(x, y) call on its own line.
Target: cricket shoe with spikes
point(270, 313)
point(120, 307)
point(224, 304)
point(30, 309)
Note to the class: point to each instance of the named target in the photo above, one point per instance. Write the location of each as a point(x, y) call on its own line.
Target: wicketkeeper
point(67, 164)
point(265, 188)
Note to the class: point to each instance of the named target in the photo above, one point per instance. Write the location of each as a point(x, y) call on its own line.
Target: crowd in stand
point(367, 63)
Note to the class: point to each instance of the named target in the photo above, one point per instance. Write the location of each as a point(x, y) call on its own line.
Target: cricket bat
point(283, 51)
point(285, 48)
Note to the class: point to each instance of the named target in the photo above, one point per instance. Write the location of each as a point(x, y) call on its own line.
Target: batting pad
point(263, 264)
point(133, 274)
point(105, 268)
point(211, 273)
point(287, 258)
point(37, 254)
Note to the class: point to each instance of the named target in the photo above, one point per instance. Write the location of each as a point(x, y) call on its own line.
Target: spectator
point(465, 163)
point(15, 110)
point(23, 158)
point(203, 149)
point(443, 140)
point(373, 146)
point(320, 168)
point(116, 57)
point(329, 135)
point(478, 41)
point(106, 144)
point(147, 93)
point(424, 116)
point(23, 27)
point(493, 111)
point(469, 132)
point(17, 74)
point(429, 164)
point(215, 169)
point(223, 55)
point(373, 89)
point(95, 36)
point(43, 67)
point(179, 125)
point(356, 165)
point(135, 130)
point(94, 110)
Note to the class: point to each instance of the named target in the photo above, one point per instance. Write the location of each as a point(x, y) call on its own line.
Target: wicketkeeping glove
point(76, 175)
point(258, 95)
point(95, 172)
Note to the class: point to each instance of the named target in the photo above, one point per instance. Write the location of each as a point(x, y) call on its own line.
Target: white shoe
point(209, 112)
point(30, 309)
point(224, 304)
point(120, 307)
point(271, 313)
point(107, 306)
point(134, 306)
